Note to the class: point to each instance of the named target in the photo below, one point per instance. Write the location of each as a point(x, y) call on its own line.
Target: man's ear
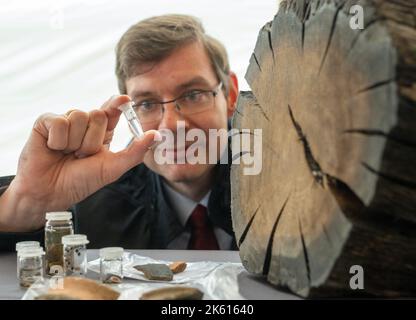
point(232, 94)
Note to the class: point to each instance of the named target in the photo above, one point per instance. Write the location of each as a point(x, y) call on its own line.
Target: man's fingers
point(54, 128)
point(110, 107)
point(78, 124)
point(133, 155)
point(79, 131)
point(94, 136)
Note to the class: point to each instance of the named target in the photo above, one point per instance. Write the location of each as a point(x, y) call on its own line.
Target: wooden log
point(338, 181)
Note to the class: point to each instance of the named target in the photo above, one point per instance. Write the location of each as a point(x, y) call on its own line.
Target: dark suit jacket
point(134, 213)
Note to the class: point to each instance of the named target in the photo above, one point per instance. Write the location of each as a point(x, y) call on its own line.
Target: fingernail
point(157, 136)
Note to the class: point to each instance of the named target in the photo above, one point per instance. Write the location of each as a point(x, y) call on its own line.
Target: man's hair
point(153, 39)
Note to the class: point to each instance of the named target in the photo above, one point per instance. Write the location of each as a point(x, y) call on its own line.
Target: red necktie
point(202, 233)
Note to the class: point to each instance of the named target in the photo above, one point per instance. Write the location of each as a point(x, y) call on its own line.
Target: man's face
point(187, 68)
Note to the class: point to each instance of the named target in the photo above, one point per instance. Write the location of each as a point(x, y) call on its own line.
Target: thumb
point(126, 159)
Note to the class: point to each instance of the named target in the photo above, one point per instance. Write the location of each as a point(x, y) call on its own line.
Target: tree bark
point(338, 182)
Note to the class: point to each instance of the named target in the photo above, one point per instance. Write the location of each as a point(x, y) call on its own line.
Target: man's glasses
point(192, 102)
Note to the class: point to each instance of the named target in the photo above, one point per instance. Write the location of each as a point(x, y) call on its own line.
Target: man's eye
point(193, 96)
point(145, 106)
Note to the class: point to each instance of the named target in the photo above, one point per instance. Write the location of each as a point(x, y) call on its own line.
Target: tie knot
point(199, 217)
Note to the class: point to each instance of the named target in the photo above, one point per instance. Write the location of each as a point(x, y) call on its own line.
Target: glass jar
point(30, 265)
point(22, 245)
point(111, 264)
point(58, 224)
point(75, 254)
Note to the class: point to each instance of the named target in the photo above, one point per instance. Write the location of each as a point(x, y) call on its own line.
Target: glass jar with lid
point(111, 264)
point(75, 254)
point(30, 265)
point(24, 244)
point(58, 224)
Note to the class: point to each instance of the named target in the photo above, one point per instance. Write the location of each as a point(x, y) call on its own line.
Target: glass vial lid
point(30, 252)
point(75, 239)
point(59, 215)
point(111, 253)
point(27, 244)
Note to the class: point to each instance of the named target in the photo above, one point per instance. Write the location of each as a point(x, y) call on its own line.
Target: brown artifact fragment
point(173, 293)
point(82, 289)
point(177, 266)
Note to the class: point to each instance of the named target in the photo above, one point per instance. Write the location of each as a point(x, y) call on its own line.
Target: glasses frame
point(214, 92)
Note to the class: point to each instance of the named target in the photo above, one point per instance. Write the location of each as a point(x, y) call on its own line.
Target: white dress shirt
point(183, 207)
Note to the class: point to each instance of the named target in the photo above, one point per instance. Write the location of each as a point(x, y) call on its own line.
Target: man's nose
point(170, 117)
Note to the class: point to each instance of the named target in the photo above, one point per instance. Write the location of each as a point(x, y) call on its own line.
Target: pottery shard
point(155, 271)
point(177, 266)
point(81, 289)
point(173, 293)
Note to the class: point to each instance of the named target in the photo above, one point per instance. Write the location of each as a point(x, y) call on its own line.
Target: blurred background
point(59, 55)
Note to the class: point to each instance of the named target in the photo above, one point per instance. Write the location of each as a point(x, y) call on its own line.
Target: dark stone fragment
point(156, 271)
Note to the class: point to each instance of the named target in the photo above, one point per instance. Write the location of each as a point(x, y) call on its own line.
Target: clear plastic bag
point(217, 280)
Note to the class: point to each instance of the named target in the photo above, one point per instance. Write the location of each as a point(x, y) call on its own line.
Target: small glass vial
point(75, 254)
point(22, 245)
point(111, 265)
point(30, 265)
point(58, 224)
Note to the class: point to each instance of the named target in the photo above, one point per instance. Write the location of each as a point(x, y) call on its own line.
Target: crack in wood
point(262, 111)
point(239, 155)
point(348, 201)
point(256, 60)
point(331, 34)
point(372, 132)
point(313, 165)
point(239, 112)
point(247, 94)
point(376, 85)
point(268, 257)
point(303, 35)
point(307, 11)
point(305, 253)
point(395, 180)
point(248, 226)
point(346, 198)
point(268, 27)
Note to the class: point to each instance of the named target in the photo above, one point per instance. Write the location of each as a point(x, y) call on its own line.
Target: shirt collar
point(182, 205)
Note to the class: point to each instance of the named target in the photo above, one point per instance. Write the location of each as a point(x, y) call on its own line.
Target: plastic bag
point(216, 280)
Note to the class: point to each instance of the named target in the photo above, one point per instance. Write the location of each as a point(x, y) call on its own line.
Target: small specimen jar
point(22, 245)
point(111, 264)
point(58, 224)
point(75, 254)
point(30, 265)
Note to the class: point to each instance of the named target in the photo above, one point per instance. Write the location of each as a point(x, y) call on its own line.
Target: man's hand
point(66, 159)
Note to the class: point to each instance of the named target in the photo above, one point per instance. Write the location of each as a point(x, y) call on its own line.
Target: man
point(127, 198)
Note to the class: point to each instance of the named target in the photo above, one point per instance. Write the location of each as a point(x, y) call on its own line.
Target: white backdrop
point(59, 55)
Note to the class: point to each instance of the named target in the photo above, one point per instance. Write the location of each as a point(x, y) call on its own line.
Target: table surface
point(251, 287)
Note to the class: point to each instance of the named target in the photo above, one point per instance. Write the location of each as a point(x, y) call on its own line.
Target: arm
point(8, 240)
point(66, 159)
